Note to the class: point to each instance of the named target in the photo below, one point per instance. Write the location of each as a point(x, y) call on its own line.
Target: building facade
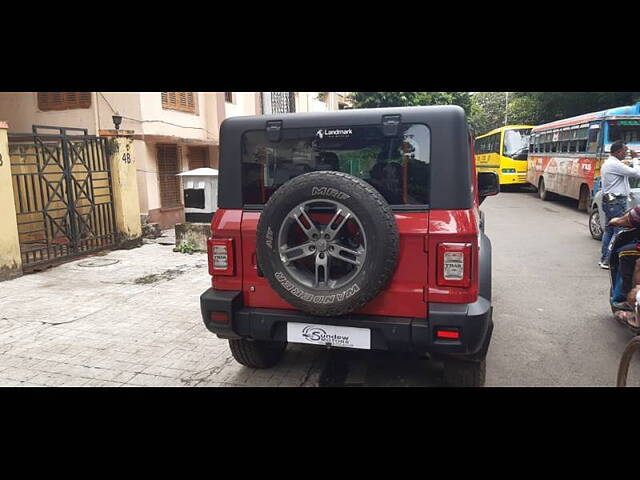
point(321, 101)
point(172, 131)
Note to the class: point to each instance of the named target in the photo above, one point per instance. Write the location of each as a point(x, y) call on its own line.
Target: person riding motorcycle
point(627, 304)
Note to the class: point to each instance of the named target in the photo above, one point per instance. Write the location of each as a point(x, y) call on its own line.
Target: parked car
point(597, 218)
point(352, 229)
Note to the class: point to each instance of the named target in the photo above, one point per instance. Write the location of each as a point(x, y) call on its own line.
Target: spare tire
point(327, 242)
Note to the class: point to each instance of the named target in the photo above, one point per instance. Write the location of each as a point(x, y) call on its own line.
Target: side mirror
point(488, 185)
point(521, 155)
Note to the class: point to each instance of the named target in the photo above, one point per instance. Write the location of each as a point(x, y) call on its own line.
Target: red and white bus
point(565, 156)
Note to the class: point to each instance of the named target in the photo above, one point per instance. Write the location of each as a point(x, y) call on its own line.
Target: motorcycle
point(623, 262)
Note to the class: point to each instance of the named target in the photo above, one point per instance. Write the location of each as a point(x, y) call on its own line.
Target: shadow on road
point(378, 369)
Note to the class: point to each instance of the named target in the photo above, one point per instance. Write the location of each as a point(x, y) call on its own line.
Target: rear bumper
point(387, 333)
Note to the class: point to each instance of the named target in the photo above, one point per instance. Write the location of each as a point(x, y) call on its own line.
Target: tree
point(544, 107)
point(523, 111)
point(487, 111)
point(410, 99)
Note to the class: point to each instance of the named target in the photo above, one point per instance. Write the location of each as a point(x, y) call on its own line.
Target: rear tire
point(465, 373)
point(255, 353)
point(376, 223)
point(584, 198)
point(544, 194)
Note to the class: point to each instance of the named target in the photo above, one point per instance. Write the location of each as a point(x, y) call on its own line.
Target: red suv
point(352, 229)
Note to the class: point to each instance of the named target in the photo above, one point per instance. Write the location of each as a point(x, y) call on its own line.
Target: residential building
point(321, 101)
point(172, 131)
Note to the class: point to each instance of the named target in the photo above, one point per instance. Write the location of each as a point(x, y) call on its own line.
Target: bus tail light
point(220, 255)
point(454, 264)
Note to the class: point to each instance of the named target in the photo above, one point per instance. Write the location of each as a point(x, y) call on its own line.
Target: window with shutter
point(181, 101)
point(168, 168)
point(63, 100)
point(198, 157)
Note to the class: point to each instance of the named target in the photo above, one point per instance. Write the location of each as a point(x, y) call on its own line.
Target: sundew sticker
point(329, 335)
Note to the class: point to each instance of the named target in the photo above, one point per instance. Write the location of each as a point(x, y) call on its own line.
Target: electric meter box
point(200, 194)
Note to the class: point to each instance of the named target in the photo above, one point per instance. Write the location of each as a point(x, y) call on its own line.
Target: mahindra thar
point(352, 229)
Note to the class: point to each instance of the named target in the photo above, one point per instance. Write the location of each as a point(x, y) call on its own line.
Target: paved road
point(553, 326)
point(131, 317)
point(553, 322)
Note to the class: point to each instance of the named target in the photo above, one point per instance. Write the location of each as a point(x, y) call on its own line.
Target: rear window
point(397, 166)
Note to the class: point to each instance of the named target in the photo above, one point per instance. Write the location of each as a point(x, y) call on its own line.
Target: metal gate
point(62, 193)
point(278, 102)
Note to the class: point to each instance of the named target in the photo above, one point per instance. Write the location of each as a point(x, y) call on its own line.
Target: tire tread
point(255, 354)
point(390, 260)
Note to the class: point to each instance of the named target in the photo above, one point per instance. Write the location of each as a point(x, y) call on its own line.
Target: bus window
point(626, 130)
point(495, 143)
point(593, 139)
point(582, 146)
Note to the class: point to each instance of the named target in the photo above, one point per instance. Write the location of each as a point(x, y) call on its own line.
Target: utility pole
point(506, 105)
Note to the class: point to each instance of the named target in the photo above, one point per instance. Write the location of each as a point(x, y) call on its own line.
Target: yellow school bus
point(504, 151)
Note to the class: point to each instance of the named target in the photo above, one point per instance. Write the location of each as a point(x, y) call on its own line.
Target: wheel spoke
point(338, 250)
point(309, 258)
point(311, 230)
point(334, 231)
point(304, 250)
point(322, 269)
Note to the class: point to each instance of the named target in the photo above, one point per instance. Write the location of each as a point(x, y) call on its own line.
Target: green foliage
point(487, 111)
point(544, 107)
point(410, 99)
point(536, 108)
point(523, 111)
point(186, 247)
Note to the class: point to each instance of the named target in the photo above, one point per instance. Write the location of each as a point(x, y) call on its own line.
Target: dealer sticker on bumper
point(329, 335)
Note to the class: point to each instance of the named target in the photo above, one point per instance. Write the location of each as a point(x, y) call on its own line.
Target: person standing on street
point(615, 173)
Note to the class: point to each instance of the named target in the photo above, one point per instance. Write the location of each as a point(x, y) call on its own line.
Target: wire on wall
point(154, 121)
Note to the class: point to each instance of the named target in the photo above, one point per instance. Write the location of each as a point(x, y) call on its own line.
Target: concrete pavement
point(131, 318)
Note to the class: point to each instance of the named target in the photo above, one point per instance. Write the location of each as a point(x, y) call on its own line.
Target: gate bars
point(63, 194)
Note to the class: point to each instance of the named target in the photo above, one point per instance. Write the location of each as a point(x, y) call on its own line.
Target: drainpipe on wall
point(96, 111)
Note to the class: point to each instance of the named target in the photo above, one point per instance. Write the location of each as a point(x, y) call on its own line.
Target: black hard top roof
point(450, 156)
point(441, 113)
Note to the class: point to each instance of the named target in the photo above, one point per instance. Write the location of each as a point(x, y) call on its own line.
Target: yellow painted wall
point(10, 261)
point(125, 188)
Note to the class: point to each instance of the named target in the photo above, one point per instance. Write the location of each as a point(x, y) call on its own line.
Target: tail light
point(221, 253)
point(448, 333)
point(219, 317)
point(454, 264)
